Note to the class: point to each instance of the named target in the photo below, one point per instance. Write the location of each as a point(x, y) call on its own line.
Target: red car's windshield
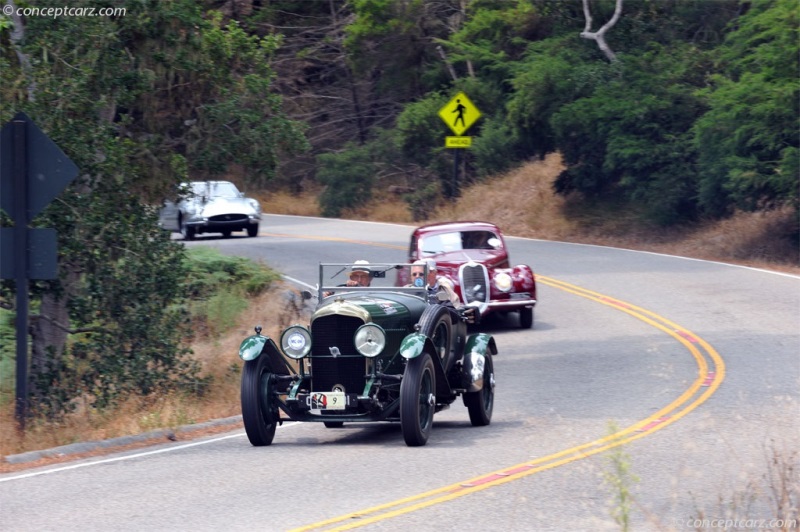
point(458, 240)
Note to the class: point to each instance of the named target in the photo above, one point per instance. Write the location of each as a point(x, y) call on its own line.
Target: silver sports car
point(210, 207)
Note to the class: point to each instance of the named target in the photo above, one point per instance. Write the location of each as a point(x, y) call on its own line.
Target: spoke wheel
point(258, 414)
point(481, 403)
point(417, 400)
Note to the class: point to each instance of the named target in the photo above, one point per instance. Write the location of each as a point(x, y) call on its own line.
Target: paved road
point(693, 366)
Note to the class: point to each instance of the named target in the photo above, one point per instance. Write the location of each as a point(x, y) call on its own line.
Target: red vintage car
point(473, 256)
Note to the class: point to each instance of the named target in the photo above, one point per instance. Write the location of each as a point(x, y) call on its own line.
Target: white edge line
point(131, 456)
point(783, 274)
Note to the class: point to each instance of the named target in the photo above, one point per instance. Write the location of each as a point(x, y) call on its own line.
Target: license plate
point(327, 401)
point(520, 295)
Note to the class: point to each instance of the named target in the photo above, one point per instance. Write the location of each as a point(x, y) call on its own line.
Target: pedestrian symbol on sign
point(459, 114)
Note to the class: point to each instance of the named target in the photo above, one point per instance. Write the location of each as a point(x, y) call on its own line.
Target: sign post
point(459, 114)
point(33, 171)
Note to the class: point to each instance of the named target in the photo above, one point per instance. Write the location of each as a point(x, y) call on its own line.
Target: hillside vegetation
point(764, 239)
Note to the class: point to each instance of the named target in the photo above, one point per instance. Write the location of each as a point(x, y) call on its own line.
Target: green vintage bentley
point(371, 353)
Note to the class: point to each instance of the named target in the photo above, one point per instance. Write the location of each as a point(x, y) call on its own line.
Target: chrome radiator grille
point(474, 281)
point(348, 367)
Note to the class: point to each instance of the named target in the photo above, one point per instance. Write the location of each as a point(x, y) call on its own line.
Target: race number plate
point(327, 401)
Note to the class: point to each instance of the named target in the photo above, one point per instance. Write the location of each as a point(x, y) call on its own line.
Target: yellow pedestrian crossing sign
point(459, 113)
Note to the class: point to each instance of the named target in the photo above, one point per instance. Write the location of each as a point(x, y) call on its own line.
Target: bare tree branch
point(599, 36)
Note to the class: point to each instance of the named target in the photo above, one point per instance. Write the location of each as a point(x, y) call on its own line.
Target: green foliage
point(630, 138)
point(7, 356)
point(348, 178)
point(423, 202)
point(748, 140)
point(139, 103)
point(209, 272)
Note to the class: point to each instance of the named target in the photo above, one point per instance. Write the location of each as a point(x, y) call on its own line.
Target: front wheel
point(252, 230)
point(481, 403)
point(259, 417)
point(417, 400)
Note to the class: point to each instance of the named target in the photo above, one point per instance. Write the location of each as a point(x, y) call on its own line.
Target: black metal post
point(20, 173)
point(456, 156)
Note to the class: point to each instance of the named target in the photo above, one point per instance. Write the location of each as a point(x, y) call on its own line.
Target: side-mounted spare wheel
point(258, 413)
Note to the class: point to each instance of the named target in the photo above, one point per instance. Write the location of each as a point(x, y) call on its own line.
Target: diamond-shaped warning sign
point(459, 113)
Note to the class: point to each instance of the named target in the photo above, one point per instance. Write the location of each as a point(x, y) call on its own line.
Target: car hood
point(217, 206)
point(375, 307)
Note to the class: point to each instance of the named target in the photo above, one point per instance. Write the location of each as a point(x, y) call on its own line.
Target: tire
point(417, 400)
point(334, 424)
point(526, 317)
point(252, 230)
point(226, 233)
point(258, 414)
point(481, 403)
point(187, 231)
point(437, 324)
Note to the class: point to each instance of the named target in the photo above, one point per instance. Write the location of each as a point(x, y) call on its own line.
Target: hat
point(360, 266)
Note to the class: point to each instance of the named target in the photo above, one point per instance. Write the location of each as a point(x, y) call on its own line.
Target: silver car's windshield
point(215, 189)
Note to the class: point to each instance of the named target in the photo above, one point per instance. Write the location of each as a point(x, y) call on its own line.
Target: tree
point(599, 36)
point(139, 102)
point(748, 143)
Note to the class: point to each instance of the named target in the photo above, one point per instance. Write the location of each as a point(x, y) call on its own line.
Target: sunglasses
point(417, 274)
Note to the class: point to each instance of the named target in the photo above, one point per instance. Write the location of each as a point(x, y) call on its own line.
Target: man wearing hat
point(359, 276)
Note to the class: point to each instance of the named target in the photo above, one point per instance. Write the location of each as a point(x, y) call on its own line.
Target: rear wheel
point(334, 424)
point(417, 400)
point(259, 417)
point(481, 403)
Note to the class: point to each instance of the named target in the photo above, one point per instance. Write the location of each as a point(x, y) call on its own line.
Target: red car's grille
point(474, 283)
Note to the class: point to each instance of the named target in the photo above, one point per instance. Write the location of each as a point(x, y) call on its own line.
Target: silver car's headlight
point(296, 342)
point(503, 282)
point(370, 340)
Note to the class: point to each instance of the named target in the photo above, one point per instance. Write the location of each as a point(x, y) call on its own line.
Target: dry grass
point(521, 202)
point(217, 355)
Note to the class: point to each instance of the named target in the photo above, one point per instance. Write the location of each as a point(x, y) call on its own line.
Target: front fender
point(478, 347)
point(413, 345)
point(252, 346)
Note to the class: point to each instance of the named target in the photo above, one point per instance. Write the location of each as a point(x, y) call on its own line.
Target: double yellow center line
point(710, 374)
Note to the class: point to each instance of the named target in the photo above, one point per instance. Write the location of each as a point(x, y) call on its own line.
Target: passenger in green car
point(433, 283)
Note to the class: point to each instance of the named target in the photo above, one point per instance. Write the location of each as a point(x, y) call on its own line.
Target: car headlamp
point(503, 282)
point(370, 340)
point(296, 342)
